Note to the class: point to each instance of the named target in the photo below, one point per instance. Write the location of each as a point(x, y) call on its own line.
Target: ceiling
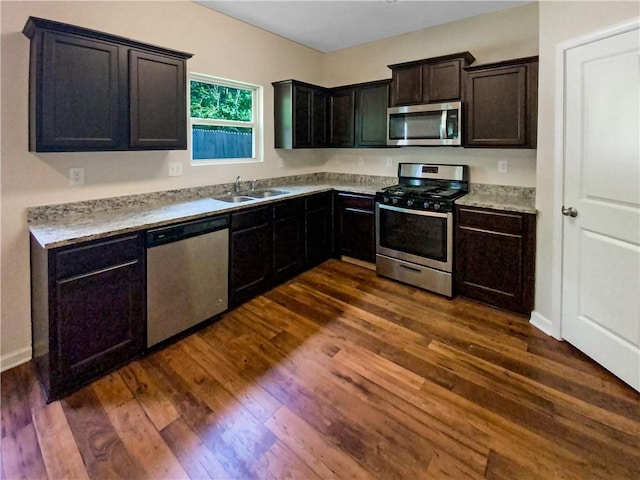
point(333, 25)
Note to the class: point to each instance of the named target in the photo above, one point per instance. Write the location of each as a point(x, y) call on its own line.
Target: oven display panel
point(419, 235)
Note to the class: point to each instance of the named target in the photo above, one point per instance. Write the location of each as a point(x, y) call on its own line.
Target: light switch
point(76, 177)
point(175, 169)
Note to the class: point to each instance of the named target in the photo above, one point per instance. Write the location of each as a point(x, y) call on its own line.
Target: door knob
point(569, 212)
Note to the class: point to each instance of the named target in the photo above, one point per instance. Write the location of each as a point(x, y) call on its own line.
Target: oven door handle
point(413, 212)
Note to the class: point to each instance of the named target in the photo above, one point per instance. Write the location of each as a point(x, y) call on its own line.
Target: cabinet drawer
point(250, 218)
point(489, 220)
point(288, 208)
point(358, 202)
point(96, 256)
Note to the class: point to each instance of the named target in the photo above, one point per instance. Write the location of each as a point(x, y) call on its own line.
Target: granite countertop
point(55, 226)
point(498, 197)
point(61, 225)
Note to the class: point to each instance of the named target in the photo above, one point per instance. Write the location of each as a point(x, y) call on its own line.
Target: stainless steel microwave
point(429, 124)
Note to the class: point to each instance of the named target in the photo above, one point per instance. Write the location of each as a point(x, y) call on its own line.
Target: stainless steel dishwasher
point(187, 275)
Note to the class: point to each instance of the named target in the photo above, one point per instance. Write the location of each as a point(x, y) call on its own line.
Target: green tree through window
point(219, 102)
point(224, 119)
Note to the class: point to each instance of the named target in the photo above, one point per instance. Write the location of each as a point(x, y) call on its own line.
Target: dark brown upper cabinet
point(92, 91)
point(429, 80)
point(342, 102)
point(358, 115)
point(309, 116)
point(372, 100)
point(300, 115)
point(502, 104)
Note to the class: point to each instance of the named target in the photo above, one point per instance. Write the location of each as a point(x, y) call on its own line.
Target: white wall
point(559, 22)
point(507, 34)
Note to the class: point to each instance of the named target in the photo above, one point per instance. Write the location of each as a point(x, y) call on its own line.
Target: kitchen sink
point(234, 198)
point(265, 193)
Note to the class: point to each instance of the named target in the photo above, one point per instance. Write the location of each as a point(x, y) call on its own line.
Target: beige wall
point(559, 22)
point(503, 35)
point(227, 48)
point(222, 47)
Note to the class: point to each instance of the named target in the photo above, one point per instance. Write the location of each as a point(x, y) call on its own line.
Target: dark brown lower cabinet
point(318, 228)
point(88, 310)
point(495, 257)
point(251, 253)
point(356, 226)
point(274, 243)
point(288, 239)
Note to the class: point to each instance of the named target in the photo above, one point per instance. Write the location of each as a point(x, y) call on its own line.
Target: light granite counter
point(55, 226)
point(499, 197)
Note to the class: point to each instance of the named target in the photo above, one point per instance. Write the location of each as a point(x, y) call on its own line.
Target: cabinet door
point(357, 226)
point(288, 239)
point(406, 85)
point(318, 229)
point(250, 253)
point(532, 104)
point(497, 111)
point(302, 116)
point(158, 104)
point(319, 118)
point(79, 91)
point(342, 116)
point(490, 266)
point(99, 320)
point(371, 116)
point(441, 82)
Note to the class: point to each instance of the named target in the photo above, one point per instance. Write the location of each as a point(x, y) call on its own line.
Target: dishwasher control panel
point(180, 231)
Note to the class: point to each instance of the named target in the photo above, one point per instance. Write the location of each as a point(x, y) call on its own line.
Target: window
point(225, 120)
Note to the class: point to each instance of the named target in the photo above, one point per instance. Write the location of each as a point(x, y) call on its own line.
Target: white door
point(601, 245)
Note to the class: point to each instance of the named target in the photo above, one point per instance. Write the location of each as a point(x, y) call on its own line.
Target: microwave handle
point(443, 124)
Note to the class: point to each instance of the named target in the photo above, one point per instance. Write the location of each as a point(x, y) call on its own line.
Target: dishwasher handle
point(181, 231)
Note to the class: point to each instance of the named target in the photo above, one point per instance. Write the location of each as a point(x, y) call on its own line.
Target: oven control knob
point(436, 206)
point(385, 199)
point(409, 203)
point(394, 200)
point(425, 205)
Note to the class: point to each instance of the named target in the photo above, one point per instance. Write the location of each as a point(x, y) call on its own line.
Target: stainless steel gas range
point(414, 225)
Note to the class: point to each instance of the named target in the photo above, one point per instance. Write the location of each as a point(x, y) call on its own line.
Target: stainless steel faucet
point(237, 185)
point(253, 185)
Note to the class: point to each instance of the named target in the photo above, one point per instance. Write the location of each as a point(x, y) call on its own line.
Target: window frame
point(256, 123)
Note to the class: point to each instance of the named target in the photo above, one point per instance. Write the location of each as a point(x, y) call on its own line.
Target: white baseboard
point(14, 359)
point(543, 323)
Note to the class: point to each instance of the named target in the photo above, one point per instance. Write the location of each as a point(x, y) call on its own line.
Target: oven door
point(420, 237)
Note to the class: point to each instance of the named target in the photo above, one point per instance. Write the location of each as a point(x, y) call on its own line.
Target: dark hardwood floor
point(336, 374)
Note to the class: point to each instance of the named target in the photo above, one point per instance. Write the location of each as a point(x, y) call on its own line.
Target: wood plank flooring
point(336, 374)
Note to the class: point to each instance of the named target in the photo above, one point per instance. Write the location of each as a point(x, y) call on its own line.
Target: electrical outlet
point(175, 169)
point(76, 176)
point(389, 162)
point(360, 161)
point(503, 166)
